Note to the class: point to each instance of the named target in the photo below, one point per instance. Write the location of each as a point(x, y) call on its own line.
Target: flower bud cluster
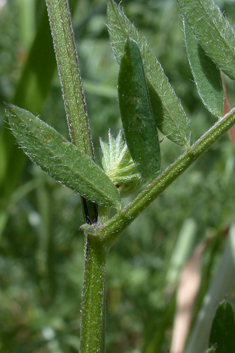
point(119, 166)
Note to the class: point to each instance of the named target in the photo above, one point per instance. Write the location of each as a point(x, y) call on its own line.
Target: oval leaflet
point(61, 159)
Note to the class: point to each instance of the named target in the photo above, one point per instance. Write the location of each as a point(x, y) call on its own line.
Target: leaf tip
point(9, 108)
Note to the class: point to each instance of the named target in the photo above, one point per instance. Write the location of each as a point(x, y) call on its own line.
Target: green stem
point(118, 223)
point(67, 63)
point(93, 298)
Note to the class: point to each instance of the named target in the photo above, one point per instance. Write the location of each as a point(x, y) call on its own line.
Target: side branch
point(118, 223)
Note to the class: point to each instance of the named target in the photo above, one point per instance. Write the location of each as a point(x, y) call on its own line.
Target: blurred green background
point(41, 247)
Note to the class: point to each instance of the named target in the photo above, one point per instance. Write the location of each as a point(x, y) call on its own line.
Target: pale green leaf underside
point(206, 74)
point(167, 109)
point(213, 31)
point(61, 159)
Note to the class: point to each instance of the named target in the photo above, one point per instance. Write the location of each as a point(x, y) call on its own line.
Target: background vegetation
point(41, 247)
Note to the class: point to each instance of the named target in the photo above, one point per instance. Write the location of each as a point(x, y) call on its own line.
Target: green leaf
point(61, 159)
point(167, 109)
point(222, 335)
point(206, 74)
point(213, 31)
point(136, 113)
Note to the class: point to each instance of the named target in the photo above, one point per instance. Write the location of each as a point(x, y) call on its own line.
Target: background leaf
point(31, 91)
point(213, 31)
point(205, 73)
point(222, 335)
point(169, 114)
point(61, 159)
point(221, 285)
point(137, 117)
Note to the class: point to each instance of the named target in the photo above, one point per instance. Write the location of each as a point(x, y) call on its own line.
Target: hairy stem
point(93, 298)
point(68, 68)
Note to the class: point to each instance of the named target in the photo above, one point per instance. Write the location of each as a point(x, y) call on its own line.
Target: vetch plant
point(147, 103)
